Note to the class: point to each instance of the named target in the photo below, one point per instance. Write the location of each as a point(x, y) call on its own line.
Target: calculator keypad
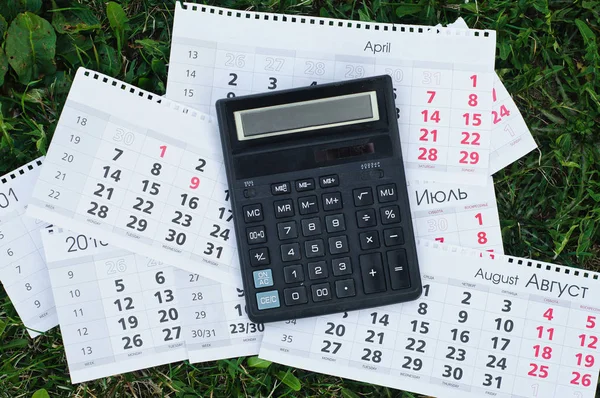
point(333, 242)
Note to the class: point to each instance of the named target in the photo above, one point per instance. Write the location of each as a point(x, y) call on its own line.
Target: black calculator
point(319, 198)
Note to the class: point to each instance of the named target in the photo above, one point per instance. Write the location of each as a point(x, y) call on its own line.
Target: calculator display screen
point(306, 115)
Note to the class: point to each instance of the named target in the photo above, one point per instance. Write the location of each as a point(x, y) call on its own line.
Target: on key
point(371, 270)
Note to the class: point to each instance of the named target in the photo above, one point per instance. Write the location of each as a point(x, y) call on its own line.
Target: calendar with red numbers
point(511, 138)
point(443, 82)
point(23, 270)
point(118, 311)
point(462, 215)
point(486, 325)
point(142, 173)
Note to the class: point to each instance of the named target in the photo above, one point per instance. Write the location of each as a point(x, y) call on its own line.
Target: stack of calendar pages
point(122, 234)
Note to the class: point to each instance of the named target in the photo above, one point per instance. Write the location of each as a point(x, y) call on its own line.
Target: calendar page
point(511, 138)
point(486, 325)
point(462, 215)
point(139, 172)
point(23, 270)
point(443, 82)
point(213, 315)
point(118, 311)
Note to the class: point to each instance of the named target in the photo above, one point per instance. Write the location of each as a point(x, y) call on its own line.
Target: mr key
point(320, 202)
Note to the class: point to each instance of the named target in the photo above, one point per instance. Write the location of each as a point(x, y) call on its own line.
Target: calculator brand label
point(378, 47)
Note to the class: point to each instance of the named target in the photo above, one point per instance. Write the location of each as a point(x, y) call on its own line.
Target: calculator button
point(371, 269)
point(308, 205)
point(369, 240)
point(287, 230)
point(366, 218)
point(290, 252)
point(249, 193)
point(311, 226)
point(293, 273)
point(338, 244)
point(332, 201)
point(295, 295)
point(253, 213)
point(345, 288)
point(267, 300)
point(398, 267)
point(317, 270)
point(363, 196)
point(307, 184)
point(259, 257)
point(284, 208)
point(335, 223)
point(341, 266)
point(393, 237)
point(321, 292)
point(390, 214)
point(314, 248)
point(329, 181)
point(256, 235)
point(263, 278)
point(281, 188)
point(387, 193)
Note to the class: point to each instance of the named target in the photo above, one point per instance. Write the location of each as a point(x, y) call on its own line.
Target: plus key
point(371, 270)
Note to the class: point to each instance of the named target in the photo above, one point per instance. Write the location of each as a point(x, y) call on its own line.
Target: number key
point(311, 226)
point(317, 270)
point(321, 292)
point(335, 223)
point(341, 266)
point(287, 230)
point(293, 273)
point(290, 252)
point(295, 295)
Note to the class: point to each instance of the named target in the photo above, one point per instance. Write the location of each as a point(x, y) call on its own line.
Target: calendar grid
point(514, 342)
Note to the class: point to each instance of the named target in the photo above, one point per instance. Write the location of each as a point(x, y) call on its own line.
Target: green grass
point(548, 201)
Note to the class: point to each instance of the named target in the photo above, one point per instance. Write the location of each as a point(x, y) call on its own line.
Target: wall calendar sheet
point(461, 215)
point(139, 172)
point(213, 315)
point(511, 138)
point(118, 311)
point(23, 269)
point(486, 325)
point(443, 82)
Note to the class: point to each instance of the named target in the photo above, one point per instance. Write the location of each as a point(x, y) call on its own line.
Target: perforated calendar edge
point(339, 23)
point(138, 92)
point(13, 175)
point(561, 269)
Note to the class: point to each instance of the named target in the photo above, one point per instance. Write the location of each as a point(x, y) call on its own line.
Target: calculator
point(319, 197)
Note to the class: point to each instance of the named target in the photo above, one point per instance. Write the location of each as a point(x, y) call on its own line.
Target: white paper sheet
point(443, 82)
point(139, 172)
point(462, 215)
point(501, 326)
point(23, 270)
point(118, 311)
point(511, 138)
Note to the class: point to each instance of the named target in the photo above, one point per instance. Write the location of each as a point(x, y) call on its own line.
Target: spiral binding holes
point(146, 95)
point(20, 171)
point(561, 269)
point(333, 22)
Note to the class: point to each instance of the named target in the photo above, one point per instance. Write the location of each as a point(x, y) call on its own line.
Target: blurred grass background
point(547, 56)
